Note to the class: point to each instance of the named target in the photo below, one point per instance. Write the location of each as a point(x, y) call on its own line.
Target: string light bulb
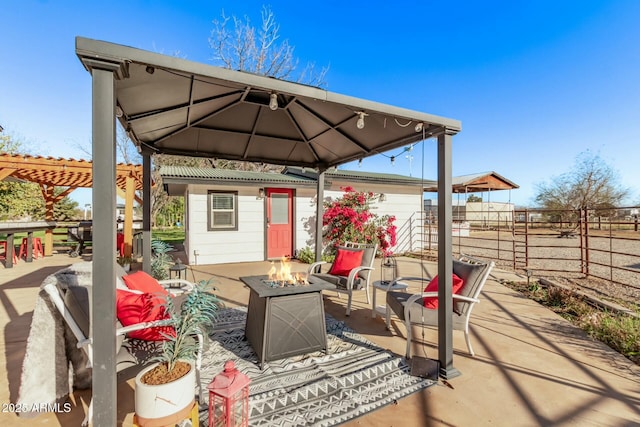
point(273, 103)
point(360, 163)
point(419, 127)
point(393, 160)
point(360, 122)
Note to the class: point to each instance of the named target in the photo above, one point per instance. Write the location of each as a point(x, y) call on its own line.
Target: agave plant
point(161, 260)
point(197, 314)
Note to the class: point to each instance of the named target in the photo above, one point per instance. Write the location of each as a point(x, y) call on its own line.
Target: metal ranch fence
point(598, 243)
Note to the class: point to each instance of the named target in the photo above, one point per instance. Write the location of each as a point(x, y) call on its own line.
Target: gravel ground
point(558, 259)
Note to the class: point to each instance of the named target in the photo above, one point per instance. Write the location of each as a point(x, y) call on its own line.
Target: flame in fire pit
point(283, 274)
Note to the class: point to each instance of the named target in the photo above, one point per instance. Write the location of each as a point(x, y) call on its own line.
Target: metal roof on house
point(294, 176)
point(189, 174)
point(360, 176)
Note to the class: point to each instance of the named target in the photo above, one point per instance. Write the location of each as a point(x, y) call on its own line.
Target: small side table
point(175, 289)
point(384, 286)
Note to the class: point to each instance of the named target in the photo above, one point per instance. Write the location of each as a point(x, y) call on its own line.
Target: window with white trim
point(223, 211)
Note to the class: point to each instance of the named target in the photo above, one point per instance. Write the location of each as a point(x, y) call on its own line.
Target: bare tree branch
point(590, 184)
point(259, 51)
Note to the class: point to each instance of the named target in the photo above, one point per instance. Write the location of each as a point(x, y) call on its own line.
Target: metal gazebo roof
point(173, 106)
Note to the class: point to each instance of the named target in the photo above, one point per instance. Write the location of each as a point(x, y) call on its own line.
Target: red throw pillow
point(137, 308)
point(346, 260)
point(432, 302)
point(141, 281)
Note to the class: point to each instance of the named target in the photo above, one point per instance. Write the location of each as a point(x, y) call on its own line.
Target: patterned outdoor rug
point(316, 389)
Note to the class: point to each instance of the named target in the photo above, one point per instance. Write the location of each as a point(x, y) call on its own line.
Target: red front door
point(279, 222)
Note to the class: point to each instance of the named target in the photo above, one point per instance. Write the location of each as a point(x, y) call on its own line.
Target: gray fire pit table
point(285, 321)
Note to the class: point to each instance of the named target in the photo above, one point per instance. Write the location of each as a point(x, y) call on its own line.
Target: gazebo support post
point(103, 314)
point(445, 263)
point(127, 228)
point(319, 213)
point(146, 211)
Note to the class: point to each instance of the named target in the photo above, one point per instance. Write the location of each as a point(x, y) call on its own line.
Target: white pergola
point(173, 106)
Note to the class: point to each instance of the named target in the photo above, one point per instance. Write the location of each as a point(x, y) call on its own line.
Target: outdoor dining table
point(10, 228)
point(285, 321)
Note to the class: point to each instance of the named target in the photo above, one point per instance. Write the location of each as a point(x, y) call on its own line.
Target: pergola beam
point(49, 172)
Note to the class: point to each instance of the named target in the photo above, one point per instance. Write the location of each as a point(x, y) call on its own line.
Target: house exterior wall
point(248, 242)
point(305, 212)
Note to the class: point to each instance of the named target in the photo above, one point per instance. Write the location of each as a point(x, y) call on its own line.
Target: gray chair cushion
point(338, 281)
point(76, 299)
point(396, 302)
point(419, 314)
point(367, 261)
point(472, 276)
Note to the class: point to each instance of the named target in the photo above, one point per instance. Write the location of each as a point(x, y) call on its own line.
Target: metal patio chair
point(134, 354)
point(357, 279)
point(410, 308)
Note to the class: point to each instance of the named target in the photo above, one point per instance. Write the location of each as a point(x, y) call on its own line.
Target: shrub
point(308, 256)
point(349, 219)
point(619, 331)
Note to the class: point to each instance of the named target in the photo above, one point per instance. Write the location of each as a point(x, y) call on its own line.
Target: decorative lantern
point(177, 269)
point(229, 398)
point(389, 269)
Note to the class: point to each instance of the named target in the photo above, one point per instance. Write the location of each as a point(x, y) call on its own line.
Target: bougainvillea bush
point(349, 219)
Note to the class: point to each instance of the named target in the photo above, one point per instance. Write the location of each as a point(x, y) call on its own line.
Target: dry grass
point(619, 331)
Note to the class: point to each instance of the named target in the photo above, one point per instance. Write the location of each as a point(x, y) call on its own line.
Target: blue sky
point(534, 83)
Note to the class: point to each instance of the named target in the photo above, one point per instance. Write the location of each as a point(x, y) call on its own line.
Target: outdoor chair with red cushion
point(142, 322)
point(350, 271)
point(420, 309)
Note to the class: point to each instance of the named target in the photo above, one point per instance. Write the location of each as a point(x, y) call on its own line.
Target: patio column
point(445, 262)
point(319, 213)
point(103, 312)
point(127, 228)
point(146, 211)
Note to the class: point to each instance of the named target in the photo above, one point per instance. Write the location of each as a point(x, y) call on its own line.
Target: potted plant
point(166, 388)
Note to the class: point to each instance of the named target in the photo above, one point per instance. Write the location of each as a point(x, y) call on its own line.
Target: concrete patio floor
point(531, 368)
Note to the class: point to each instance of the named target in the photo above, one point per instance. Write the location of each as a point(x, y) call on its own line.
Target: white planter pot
point(158, 401)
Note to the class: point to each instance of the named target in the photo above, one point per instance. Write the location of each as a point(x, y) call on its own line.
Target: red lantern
point(229, 398)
